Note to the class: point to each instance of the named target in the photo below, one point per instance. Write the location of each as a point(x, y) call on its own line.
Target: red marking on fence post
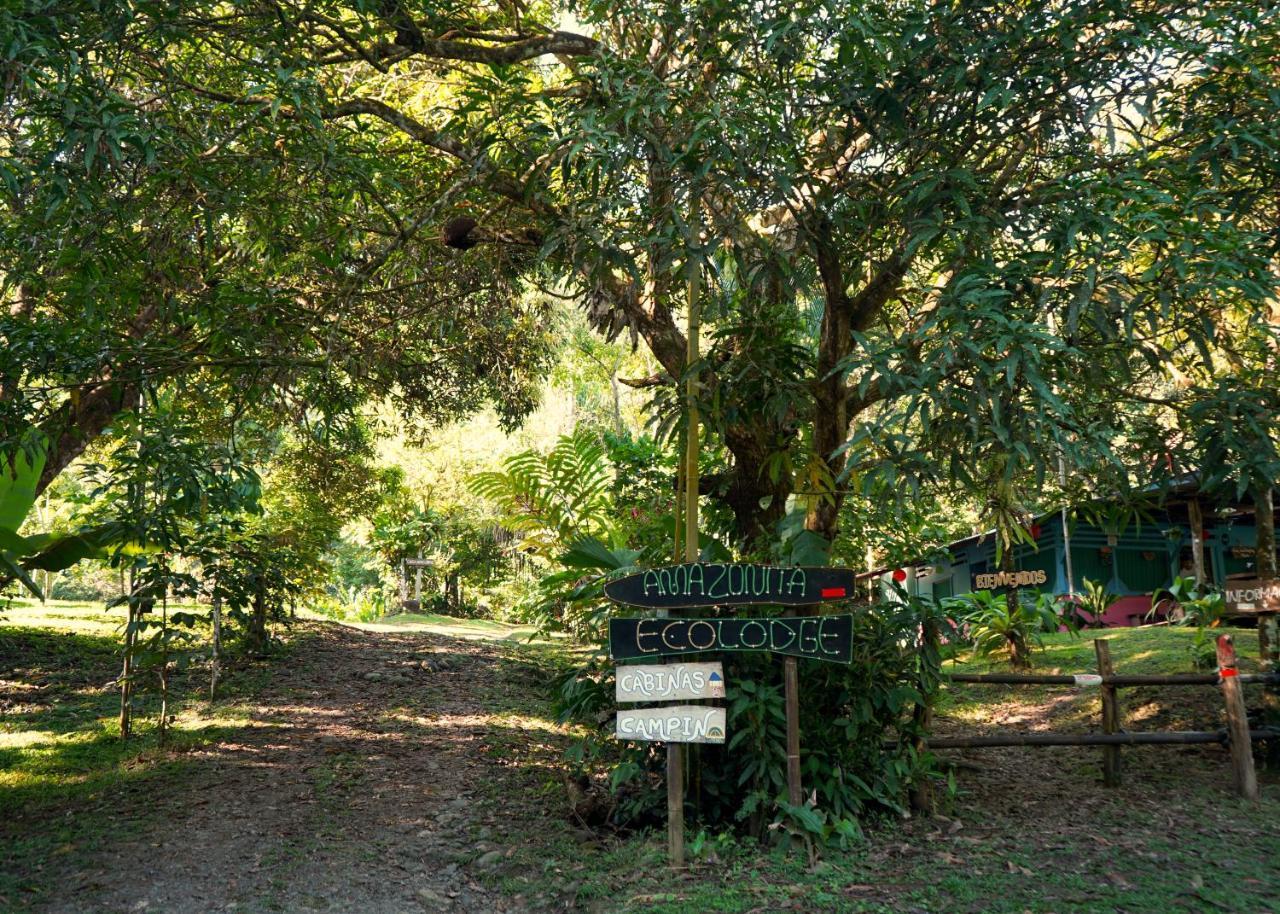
point(1237, 721)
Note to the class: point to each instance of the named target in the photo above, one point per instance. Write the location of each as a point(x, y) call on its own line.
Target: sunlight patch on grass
point(25, 739)
point(449, 626)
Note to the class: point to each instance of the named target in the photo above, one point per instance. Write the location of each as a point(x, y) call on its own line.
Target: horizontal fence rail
point(1236, 735)
point(1184, 737)
point(1092, 680)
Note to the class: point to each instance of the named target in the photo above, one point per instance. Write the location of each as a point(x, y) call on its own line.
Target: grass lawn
point(1025, 830)
point(61, 758)
point(1019, 830)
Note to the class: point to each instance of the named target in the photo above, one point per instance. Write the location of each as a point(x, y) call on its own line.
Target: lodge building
point(1134, 560)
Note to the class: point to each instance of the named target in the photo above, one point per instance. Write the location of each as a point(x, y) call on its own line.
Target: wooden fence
point(1236, 735)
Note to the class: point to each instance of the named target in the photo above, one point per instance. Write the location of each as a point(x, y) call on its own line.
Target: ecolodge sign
point(721, 584)
point(827, 638)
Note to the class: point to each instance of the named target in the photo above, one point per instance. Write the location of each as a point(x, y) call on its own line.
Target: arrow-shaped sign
point(720, 584)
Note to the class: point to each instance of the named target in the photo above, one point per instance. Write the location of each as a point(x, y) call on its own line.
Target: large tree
point(938, 236)
point(153, 239)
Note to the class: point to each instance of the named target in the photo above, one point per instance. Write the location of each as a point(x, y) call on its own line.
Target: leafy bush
point(847, 711)
point(555, 498)
point(1096, 600)
point(1185, 602)
point(995, 625)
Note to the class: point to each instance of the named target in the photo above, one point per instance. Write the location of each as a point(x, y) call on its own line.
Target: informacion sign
point(718, 584)
point(1252, 597)
point(1010, 579)
point(827, 638)
point(674, 724)
point(669, 682)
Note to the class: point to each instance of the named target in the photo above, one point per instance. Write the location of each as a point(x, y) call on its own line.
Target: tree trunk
point(1265, 524)
point(126, 673)
point(217, 643)
point(258, 623)
point(757, 501)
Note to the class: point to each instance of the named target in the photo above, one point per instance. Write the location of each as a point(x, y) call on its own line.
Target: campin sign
point(1252, 597)
point(722, 584)
point(669, 682)
point(827, 638)
point(675, 724)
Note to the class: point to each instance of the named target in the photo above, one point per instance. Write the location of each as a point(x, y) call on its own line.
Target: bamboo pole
point(1110, 714)
point(1246, 779)
point(675, 751)
point(217, 640)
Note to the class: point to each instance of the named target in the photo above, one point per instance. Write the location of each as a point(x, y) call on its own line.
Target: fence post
point(1246, 779)
point(1110, 714)
point(922, 799)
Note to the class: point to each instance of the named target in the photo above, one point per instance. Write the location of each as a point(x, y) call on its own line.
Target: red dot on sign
point(899, 575)
point(829, 593)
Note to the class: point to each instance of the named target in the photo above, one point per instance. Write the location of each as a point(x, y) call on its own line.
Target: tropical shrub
point(1095, 600)
point(995, 625)
point(847, 711)
point(1184, 602)
point(553, 499)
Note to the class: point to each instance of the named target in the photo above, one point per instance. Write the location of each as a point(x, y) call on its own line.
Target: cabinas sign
point(827, 638)
point(719, 584)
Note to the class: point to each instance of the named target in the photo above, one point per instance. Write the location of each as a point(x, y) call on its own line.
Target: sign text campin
point(719, 584)
point(677, 724)
point(827, 638)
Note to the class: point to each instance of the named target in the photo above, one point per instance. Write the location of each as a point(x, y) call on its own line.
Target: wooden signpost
point(827, 638)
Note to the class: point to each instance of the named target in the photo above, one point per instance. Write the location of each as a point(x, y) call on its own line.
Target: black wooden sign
point(827, 638)
point(717, 584)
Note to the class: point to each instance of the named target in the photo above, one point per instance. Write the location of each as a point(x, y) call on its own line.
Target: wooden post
point(922, 799)
point(1246, 779)
point(791, 687)
point(1197, 538)
point(1110, 714)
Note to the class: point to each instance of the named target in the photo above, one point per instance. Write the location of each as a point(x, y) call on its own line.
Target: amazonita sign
point(726, 584)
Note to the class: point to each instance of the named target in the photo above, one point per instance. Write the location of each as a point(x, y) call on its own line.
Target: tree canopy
point(939, 238)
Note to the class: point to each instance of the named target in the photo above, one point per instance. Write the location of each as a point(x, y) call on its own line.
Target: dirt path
point(372, 779)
